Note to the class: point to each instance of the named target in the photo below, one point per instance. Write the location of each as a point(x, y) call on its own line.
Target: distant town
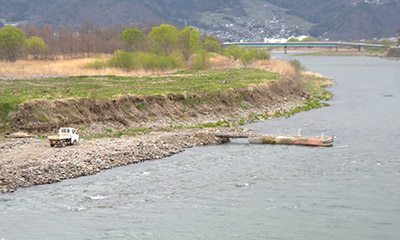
point(275, 29)
point(272, 30)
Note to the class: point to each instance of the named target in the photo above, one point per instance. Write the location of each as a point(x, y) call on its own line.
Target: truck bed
point(62, 136)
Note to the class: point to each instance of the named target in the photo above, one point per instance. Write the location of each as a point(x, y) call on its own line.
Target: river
point(241, 191)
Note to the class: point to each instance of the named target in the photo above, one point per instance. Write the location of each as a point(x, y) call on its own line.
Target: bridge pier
point(337, 49)
point(285, 49)
point(359, 48)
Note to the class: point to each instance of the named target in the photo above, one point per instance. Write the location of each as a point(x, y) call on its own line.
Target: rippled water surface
point(241, 191)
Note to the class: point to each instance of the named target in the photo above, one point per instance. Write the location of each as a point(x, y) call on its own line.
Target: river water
point(241, 191)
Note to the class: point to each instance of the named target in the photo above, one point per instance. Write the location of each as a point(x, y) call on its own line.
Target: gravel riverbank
point(26, 162)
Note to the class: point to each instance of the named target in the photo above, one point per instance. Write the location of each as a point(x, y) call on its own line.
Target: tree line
point(89, 40)
point(65, 41)
point(163, 46)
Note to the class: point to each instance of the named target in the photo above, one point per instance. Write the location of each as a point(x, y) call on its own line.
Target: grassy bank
point(128, 105)
point(103, 88)
point(107, 87)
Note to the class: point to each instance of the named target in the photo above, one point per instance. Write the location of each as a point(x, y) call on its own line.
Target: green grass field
point(14, 92)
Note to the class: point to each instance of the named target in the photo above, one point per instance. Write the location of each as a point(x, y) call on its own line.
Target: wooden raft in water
point(319, 141)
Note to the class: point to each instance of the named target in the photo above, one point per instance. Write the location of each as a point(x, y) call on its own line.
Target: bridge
point(303, 44)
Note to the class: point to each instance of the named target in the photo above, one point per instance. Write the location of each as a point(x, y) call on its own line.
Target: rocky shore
point(27, 162)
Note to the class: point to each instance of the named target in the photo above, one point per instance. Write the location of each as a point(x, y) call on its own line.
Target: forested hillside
point(110, 12)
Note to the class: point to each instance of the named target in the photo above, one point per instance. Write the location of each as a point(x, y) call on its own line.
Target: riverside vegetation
point(150, 110)
point(43, 105)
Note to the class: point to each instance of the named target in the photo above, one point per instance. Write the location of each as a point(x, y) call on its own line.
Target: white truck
point(66, 136)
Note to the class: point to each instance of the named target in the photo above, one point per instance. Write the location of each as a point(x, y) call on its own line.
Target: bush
point(179, 58)
point(147, 61)
point(201, 61)
point(96, 65)
point(296, 63)
point(248, 56)
point(124, 60)
point(263, 55)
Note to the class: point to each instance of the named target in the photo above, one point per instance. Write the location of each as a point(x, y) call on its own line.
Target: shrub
point(96, 65)
point(201, 61)
point(296, 63)
point(263, 55)
point(277, 114)
point(248, 56)
point(179, 58)
point(147, 61)
point(124, 60)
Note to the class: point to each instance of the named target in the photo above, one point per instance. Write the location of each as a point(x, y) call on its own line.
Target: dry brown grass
point(223, 62)
point(75, 67)
point(281, 67)
point(23, 69)
point(313, 74)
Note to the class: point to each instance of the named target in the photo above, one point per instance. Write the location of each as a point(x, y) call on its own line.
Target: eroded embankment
point(129, 112)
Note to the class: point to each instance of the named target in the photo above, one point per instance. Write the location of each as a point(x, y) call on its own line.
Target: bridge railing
point(304, 44)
